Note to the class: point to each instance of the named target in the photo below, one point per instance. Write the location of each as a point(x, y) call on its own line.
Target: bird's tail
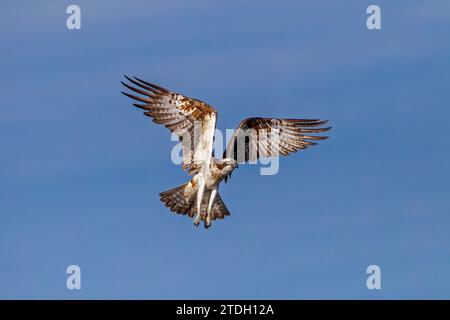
point(177, 199)
point(181, 200)
point(218, 210)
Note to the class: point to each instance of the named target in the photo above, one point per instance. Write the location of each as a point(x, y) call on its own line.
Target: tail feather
point(218, 210)
point(175, 199)
point(181, 200)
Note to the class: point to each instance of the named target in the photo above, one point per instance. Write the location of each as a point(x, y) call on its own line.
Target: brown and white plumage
point(194, 122)
point(175, 199)
point(269, 137)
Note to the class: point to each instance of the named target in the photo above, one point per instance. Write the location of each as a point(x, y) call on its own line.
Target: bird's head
point(231, 163)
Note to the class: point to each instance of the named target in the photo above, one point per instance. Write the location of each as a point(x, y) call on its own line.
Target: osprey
point(194, 122)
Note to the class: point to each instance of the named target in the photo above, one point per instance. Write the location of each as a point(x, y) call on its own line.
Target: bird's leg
point(208, 211)
point(200, 191)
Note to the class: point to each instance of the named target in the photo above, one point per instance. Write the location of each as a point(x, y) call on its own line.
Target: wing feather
point(189, 118)
point(268, 137)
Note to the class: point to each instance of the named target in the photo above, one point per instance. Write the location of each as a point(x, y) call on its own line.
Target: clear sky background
point(81, 169)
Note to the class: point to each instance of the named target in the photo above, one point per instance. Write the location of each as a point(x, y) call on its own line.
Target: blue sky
point(80, 169)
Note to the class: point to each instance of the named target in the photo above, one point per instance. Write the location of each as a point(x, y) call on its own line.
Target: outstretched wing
point(192, 120)
point(267, 137)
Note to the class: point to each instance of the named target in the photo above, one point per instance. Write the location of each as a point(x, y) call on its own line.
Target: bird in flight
point(194, 122)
